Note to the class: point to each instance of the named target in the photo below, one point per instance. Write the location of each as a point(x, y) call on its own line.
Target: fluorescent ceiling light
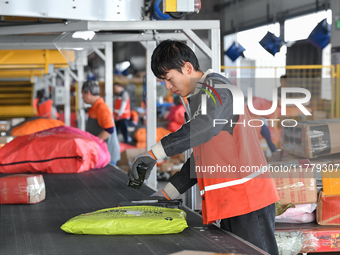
point(85, 35)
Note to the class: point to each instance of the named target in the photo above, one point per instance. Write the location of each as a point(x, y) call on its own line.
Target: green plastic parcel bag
point(130, 220)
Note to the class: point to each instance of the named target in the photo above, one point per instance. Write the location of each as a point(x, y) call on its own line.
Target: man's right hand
point(146, 158)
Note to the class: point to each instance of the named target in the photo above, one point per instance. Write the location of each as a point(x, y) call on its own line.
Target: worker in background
point(122, 112)
point(243, 201)
point(100, 122)
point(44, 106)
point(176, 115)
point(134, 120)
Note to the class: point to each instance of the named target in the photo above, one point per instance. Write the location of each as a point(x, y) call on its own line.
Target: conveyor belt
point(35, 229)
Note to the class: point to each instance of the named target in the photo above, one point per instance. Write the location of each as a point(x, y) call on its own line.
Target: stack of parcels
point(22, 189)
point(319, 141)
point(296, 185)
point(301, 190)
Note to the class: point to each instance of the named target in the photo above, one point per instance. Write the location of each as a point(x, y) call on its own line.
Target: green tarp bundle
point(130, 220)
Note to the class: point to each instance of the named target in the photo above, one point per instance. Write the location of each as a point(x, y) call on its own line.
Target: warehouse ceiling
point(235, 15)
point(239, 15)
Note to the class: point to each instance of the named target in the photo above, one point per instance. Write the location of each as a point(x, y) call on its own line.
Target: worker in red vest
point(44, 106)
point(122, 112)
point(227, 160)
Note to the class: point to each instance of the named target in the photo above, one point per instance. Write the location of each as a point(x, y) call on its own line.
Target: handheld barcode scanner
point(136, 184)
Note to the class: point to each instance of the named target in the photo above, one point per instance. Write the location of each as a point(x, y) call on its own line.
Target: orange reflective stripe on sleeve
point(152, 155)
point(165, 195)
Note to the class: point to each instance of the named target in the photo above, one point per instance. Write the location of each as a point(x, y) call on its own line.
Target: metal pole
point(109, 75)
point(151, 110)
point(80, 70)
point(67, 106)
point(216, 49)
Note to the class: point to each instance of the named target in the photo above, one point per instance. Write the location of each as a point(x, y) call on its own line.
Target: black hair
point(118, 84)
point(172, 54)
point(40, 93)
point(283, 77)
point(91, 86)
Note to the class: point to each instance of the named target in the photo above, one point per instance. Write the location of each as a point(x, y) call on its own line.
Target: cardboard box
point(331, 181)
point(328, 168)
point(174, 161)
point(166, 167)
point(310, 139)
point(319, 115)
point(328, 210)
point(180, 157)
point(128, 156)
point(298, 186)
point(22, 189)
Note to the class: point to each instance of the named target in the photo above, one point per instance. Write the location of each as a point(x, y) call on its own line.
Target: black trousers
point(256, 227)
point(121, 126)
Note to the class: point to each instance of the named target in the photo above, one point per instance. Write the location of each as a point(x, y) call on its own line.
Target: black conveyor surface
point(35, 229)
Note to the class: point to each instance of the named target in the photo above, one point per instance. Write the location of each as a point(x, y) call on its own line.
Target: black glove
point(145, 158)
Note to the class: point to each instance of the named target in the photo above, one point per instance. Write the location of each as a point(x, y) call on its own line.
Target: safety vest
point(134, 117)
point(45, 109)
point(233, 193)
point(118, 102)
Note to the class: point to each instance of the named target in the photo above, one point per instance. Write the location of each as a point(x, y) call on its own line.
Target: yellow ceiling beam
point(33, 59)
point(15, 95)
point(6, 56)
point(30, 66)
point(15, 89)
point(20, 83)
point(20, 73)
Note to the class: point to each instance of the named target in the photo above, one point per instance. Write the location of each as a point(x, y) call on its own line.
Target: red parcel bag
point(49, 152)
